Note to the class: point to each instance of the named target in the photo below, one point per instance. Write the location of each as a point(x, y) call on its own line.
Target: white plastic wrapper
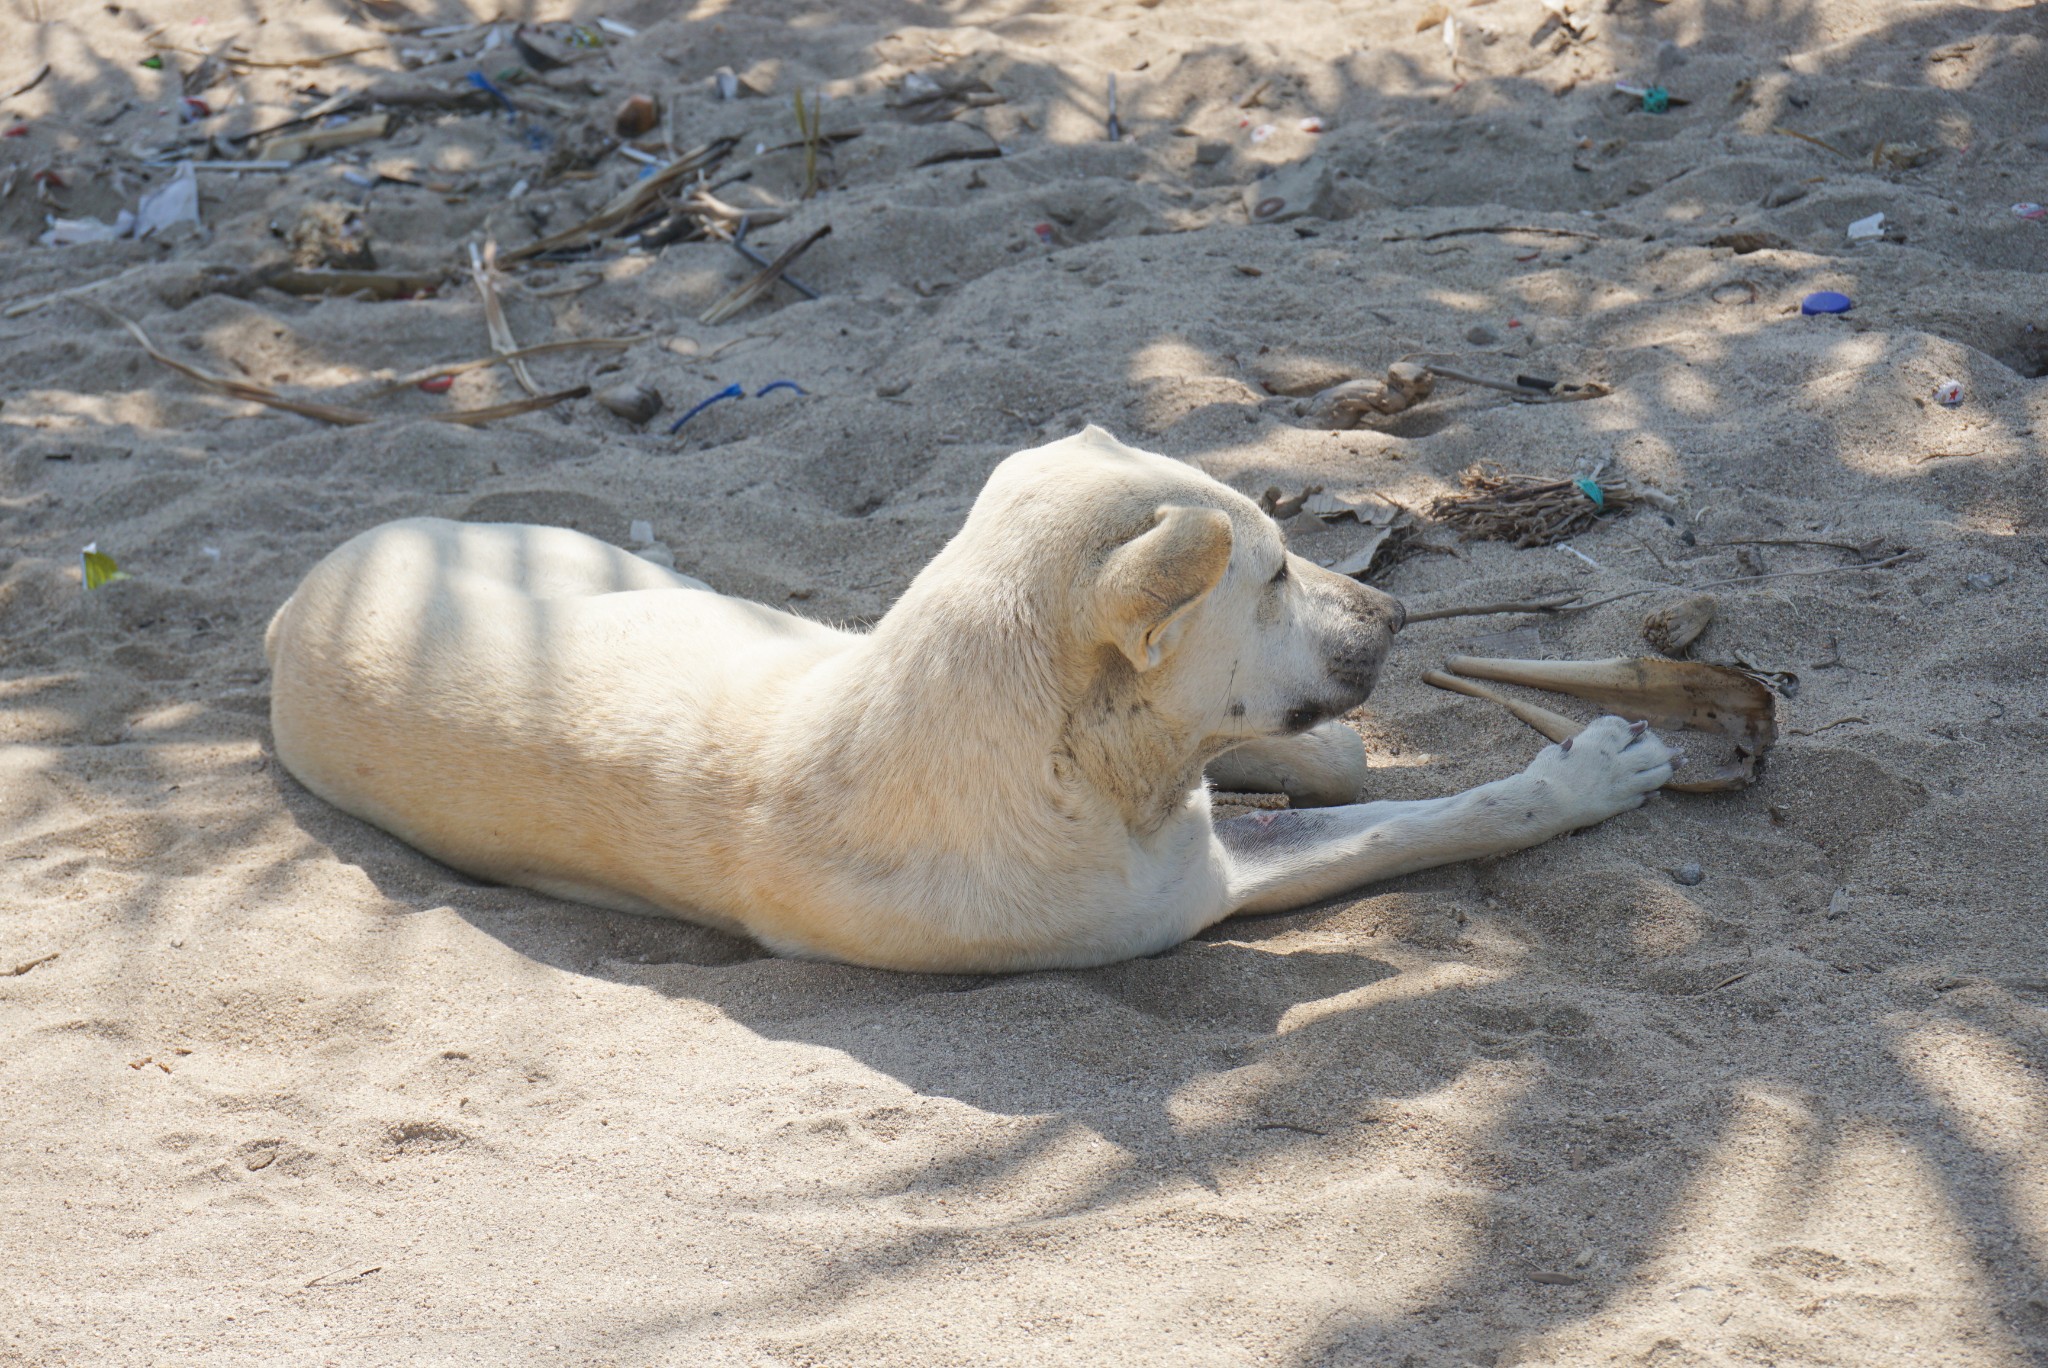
point(174, 203)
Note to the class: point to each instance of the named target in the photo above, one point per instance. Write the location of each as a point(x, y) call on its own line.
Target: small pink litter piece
point(1311, 125)
point(2031, 212)
point(1263, 132)
point(1044, 233)
point(1949, 393)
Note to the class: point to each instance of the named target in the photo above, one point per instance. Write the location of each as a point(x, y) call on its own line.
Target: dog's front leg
point(1278, 860)
point(1320, 767)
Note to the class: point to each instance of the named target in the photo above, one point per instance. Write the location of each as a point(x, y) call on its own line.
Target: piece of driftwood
point(378, 284)
point(294, 147)
point(1717, 701)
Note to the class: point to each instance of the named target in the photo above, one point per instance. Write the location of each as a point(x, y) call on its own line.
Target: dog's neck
point(997, 682)
point(1125, 748)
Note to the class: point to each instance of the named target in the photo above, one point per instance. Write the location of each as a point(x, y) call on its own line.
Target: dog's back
point(513, 700)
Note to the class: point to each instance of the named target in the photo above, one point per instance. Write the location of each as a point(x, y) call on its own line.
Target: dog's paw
point(1610, 767)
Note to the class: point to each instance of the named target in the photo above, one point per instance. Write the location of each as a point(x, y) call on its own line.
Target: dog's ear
point(1151, 582)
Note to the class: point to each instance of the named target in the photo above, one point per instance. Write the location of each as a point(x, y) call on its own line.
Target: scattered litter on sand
point(1422, 271)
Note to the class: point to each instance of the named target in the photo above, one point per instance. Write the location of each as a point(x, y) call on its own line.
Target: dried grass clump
point(1494, 504)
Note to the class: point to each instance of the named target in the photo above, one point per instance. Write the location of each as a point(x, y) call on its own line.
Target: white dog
point(1006, 773)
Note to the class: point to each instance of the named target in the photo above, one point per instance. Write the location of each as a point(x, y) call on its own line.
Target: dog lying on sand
point(1005, 773)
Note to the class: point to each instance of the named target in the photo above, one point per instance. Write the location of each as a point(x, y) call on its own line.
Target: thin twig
point(1746, 579)
point(1654, 555)
point(1780, 541)
point(1565, 603)
point(406, 382)
point(1828, 726)
point(24, 967)
point(328, 413)
point(1523, 392)
point(762, 281)
point(1494, 228)
point(1546, 605)
point(739, 244)
point(33, 82)
point(22, 307)
point(275, 62)
point(1809, 138)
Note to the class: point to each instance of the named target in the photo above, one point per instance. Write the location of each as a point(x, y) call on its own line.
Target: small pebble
point(1479, 335)
point(637, 116)
point(1689, 873)
point(633, 402)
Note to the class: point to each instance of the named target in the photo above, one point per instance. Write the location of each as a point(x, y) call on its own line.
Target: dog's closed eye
point(1279, 575)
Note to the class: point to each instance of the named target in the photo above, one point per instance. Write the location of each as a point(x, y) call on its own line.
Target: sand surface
point(289, 1092)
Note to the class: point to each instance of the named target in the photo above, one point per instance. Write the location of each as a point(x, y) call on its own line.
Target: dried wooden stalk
point(763, 281)
point(1668, 694)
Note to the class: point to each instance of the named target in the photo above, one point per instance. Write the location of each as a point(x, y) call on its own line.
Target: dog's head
point(1182, 593)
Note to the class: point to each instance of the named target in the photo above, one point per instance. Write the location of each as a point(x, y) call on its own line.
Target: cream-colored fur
point(1006, 773)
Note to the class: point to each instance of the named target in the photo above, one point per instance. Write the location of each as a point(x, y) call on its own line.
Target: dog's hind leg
point(1279, 860)
point(1321, 767)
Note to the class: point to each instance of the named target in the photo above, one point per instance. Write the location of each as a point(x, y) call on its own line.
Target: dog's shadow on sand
point(1118, 1048)
point(1138, 1051)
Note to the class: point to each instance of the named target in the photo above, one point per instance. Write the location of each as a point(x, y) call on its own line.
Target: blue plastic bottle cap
point(1825, 302)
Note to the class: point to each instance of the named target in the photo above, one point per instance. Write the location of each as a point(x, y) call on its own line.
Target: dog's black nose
point(1400, 614)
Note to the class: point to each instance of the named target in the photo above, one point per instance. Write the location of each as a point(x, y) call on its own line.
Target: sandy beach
point(277, 1089)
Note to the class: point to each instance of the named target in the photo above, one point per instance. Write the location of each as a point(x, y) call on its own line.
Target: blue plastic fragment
point(1825, 302)
point(1656, 100)
point(774, 385)
point(1591, 490)
point(729, 392)
point(489, 87)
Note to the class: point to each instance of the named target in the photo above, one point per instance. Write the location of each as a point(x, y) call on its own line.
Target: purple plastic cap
point(1825, 302)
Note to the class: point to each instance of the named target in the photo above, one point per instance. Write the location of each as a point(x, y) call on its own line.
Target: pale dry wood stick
point(1545, 605)
point(482, 266)
point(405, 382)
point(763, 280)
point(1565, 603)
point(327, 413)
point(1554, 725)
